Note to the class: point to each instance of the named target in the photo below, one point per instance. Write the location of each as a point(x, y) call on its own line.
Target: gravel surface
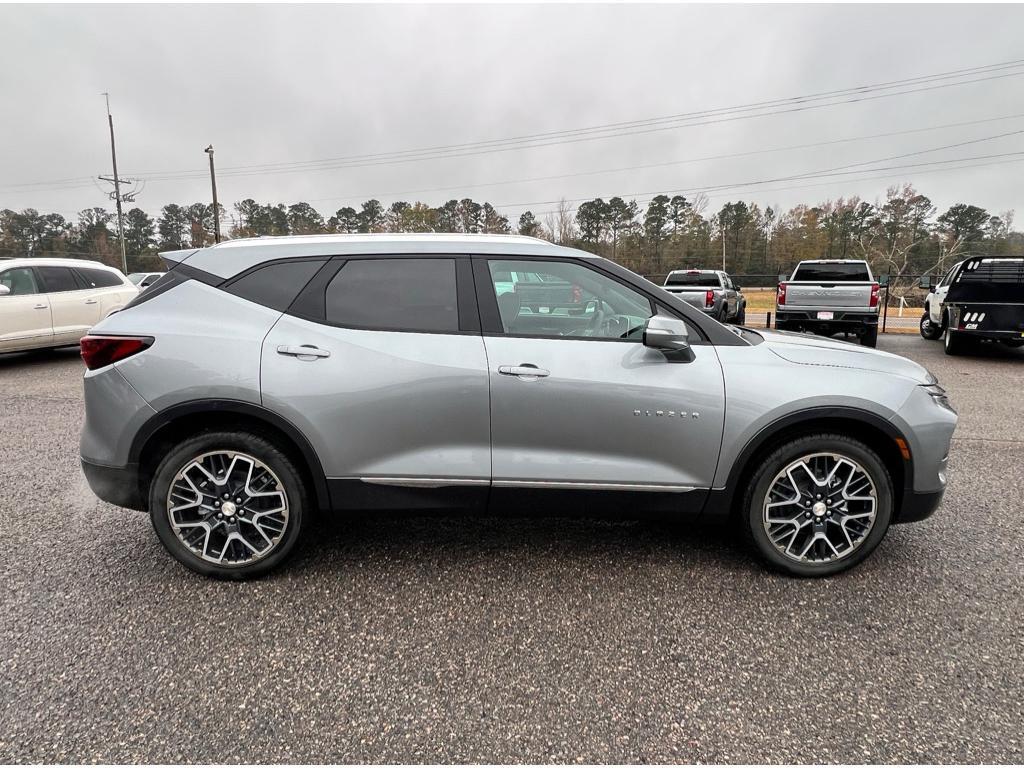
point(506, 641)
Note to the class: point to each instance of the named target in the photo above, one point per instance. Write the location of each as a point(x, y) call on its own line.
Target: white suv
point(54, 302)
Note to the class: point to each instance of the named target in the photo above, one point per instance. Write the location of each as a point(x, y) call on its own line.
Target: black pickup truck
point(985, 301)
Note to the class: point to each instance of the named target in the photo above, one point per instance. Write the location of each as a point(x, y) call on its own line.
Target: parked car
point(262, 379)
point(984, 302)
point(143, 280)
point(54, 302)
point(830, 296)
point(710, 291)
point(933, 322)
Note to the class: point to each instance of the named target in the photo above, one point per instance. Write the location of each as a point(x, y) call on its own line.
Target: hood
point(805, 349)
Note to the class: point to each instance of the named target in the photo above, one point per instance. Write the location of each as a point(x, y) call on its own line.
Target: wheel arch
point(877, 433)
point(187, 419)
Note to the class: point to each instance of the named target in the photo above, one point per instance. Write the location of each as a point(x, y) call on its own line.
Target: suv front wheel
point(228, 504)
point(818, 505)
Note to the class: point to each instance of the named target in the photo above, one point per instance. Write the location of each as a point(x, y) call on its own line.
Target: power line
point(609, 130)
point(854, 92)
point(686, 161)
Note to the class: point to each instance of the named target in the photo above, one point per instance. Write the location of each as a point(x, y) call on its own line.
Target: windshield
point(833, 273)
point(998, 281)
point(696, 279)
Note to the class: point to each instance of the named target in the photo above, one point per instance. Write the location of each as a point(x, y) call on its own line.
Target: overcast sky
point(285, 84)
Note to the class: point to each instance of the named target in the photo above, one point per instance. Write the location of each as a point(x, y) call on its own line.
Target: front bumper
point(115, 485)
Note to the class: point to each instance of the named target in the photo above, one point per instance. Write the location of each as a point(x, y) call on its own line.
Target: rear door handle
point(40, 306)
point(526, 371)
point(303, 352)
point(90, 301)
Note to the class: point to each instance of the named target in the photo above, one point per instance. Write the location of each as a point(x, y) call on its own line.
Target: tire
point(260, 478)
point(741, 318)
point(823, 559)
point(954, 343)
point(870, 337)
point(929, 330)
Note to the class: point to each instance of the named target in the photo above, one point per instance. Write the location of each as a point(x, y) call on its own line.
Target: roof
point(231, 257)
point(48, 262)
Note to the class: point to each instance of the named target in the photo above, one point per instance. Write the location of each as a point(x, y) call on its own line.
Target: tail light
point(874, 296)
point(709, 299)
point(98, 351)
point(782, 293)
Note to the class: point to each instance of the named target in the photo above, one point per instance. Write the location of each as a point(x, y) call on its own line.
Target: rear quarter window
point(276, 285)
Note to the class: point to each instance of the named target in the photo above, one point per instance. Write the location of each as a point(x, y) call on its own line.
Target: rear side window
point(99, 278)
point(832, 273)
point(58, 279)
point(695, 279)
point(276, 285)
point(395, 295)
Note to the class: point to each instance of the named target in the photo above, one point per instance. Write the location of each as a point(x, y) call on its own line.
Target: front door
point(387, 377)
point(24, 311)
point(577, 400)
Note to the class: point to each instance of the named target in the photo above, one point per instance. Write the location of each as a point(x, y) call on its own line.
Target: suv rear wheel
point(818, 505)
point(228, 504)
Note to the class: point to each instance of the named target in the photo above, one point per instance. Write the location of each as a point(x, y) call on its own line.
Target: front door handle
point(40, 306)
point(90, 301)
point(526, 371)
point(303, 352)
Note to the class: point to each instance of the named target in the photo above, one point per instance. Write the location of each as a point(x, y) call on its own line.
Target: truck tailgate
point(694, 296)
point(828, 294)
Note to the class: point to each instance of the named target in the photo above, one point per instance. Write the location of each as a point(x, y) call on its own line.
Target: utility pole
point(117, 187)
point(721, 220)
point(213, 184)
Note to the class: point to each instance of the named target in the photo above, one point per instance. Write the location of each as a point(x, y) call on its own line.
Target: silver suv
point(262, 380)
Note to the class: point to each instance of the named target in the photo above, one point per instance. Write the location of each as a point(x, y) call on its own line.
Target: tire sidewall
point(773, 464)
point(255, 446)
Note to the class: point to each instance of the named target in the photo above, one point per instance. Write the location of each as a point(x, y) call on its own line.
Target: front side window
point(567, 300)
point(395, 295)
point(21, 281)
point(58, 279)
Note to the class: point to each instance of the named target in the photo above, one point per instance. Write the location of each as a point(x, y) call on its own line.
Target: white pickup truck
point(829, 296)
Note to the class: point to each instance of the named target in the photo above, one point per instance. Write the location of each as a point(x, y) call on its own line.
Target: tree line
point(902, 234)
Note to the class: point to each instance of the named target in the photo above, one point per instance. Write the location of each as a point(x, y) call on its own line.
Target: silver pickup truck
point(710, 291)
point(829, 296)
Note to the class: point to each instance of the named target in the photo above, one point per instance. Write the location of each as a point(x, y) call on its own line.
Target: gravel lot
point(506, 641)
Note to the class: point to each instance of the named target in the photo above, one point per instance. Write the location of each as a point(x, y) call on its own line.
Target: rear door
point(579, 403)
point(75, 308)
point(24, 312)
point(106, 287)
point(380, 363)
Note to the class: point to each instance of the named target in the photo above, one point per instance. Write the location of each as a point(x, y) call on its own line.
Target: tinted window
point(99, 278)
point(696, 279)
point(569, 301)
point(395, 294)
point(833, 273)
point(20, 280)
point(57, 279)
point(276, 285)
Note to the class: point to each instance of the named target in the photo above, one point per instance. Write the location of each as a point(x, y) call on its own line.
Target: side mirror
point(783, 278)
point(736, 287)
point(4, 290)
point(925, 282)
point(668, 335)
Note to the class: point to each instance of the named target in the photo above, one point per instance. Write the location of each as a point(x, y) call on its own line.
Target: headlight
point(939, 396)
